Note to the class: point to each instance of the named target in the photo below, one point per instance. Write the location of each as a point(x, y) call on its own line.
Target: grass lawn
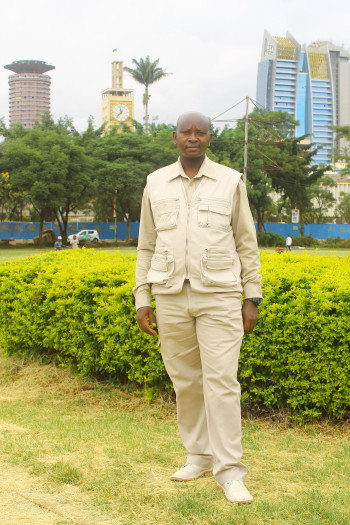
point(96, 454)
point(10, 253)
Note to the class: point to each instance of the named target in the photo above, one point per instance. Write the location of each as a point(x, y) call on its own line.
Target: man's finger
point(143, 315)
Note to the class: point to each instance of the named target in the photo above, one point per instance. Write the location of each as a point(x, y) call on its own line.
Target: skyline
point(213, 56)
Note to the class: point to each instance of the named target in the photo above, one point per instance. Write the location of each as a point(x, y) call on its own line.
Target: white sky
point(212, 48)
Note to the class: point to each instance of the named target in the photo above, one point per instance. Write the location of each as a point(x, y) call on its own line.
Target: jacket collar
point(207, 169)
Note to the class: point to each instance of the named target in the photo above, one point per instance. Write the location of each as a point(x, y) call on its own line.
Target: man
point(58, 244)
point(288, 243)
point(74, 242)
point(197, 250)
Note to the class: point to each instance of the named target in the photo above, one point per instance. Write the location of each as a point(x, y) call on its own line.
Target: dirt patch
point(25, 499)
point(10, 427)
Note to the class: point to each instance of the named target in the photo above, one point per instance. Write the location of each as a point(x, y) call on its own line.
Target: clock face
point(121, 112)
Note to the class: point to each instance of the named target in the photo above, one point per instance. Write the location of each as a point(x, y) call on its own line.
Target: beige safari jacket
point(200, 229)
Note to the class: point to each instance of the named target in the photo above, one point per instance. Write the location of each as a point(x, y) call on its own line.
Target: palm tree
point(146, 72)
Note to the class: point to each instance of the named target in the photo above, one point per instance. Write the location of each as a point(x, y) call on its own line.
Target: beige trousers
point(200, 337)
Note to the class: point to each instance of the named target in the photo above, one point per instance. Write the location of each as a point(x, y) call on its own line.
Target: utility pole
point(115, 216)
point(246, 141)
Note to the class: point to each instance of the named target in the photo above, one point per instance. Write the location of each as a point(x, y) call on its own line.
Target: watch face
point(121, 112)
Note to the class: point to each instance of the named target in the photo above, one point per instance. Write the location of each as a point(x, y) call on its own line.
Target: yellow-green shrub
point(77, 307)
point(299, 355)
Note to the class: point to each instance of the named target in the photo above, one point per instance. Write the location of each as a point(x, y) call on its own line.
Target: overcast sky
point(212, 48)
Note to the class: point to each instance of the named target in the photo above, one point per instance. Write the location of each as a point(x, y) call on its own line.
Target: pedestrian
point(74, 242)
point(288, 243)
point(58, 244)
point(197, 252)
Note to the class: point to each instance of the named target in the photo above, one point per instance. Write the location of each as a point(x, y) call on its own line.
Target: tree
point(288, 159)
point(264, 131)
point(4, 131)
point(47, 164)
point(228, 147)
point(5, 189)
point(276, 160)
point(343, 208)
point(146, 73)
point(122, 162)
point(322, 199)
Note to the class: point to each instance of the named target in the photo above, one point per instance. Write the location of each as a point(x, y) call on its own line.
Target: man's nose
point(193, 137)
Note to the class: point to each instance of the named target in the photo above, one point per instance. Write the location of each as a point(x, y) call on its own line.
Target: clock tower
point(117, 102)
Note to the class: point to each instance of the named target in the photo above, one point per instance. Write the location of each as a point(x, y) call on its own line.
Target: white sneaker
point(236, 491)
point(189, 471)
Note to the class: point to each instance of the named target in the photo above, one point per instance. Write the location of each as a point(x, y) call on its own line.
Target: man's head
point(192, 135)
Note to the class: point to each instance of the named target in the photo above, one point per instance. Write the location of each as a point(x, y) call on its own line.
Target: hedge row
point(77, 308)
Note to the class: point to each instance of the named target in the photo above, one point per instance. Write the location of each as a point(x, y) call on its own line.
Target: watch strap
point(256, 300)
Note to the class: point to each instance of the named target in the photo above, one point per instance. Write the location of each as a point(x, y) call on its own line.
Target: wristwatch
point(256, 300)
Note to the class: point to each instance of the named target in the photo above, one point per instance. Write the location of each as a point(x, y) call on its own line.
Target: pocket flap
point(219, 209)
point(219, 264)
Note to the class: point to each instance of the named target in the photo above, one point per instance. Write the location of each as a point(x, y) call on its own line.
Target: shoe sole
point(206, 473)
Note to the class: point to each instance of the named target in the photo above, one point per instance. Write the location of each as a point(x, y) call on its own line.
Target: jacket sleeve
point(145, 250)
point(246, 243)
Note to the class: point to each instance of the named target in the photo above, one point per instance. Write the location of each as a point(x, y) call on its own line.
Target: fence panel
point(29, 230)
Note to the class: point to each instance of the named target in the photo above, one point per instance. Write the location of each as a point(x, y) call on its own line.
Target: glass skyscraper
point(311, 82)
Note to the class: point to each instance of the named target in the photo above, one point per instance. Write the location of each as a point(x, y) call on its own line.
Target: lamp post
point(115, 216)
point(245, 168)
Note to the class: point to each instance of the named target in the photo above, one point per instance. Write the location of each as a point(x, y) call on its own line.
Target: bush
point(270, 239)
point(306, 241)
point(76, 307)
point(299, 354)
point(336, 242)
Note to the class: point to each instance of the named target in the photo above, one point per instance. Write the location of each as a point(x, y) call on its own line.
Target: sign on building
point(295, 216)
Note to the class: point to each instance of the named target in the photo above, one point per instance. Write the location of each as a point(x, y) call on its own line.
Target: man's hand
point(145, 318)
point(250, 314)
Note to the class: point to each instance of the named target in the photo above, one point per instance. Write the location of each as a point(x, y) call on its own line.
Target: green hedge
point(76, 307)
point(336, 242)
point(270, 239)
point(306, 241)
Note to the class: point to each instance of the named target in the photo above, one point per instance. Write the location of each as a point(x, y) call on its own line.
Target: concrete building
point(310, 82)
point(29, 91)
point(117, 102)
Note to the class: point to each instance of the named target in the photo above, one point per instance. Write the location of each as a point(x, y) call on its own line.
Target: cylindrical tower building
point(29, 91)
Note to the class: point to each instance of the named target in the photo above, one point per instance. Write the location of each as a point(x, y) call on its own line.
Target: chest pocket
point(165, 214)
point(214, 214)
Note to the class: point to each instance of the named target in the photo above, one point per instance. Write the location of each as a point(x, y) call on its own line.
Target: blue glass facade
point(300, 80)
point(322, 118)
point(303, 113)
point(285, 86)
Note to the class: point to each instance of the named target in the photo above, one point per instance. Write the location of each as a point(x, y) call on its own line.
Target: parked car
point(86, 235)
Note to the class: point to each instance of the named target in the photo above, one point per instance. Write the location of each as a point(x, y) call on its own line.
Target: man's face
point(192, 136)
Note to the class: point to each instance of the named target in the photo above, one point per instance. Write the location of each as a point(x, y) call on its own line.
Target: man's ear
point(175, 137)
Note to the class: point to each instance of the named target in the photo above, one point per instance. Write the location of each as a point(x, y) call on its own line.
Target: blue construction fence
point(29, 230)
point(317, 231)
